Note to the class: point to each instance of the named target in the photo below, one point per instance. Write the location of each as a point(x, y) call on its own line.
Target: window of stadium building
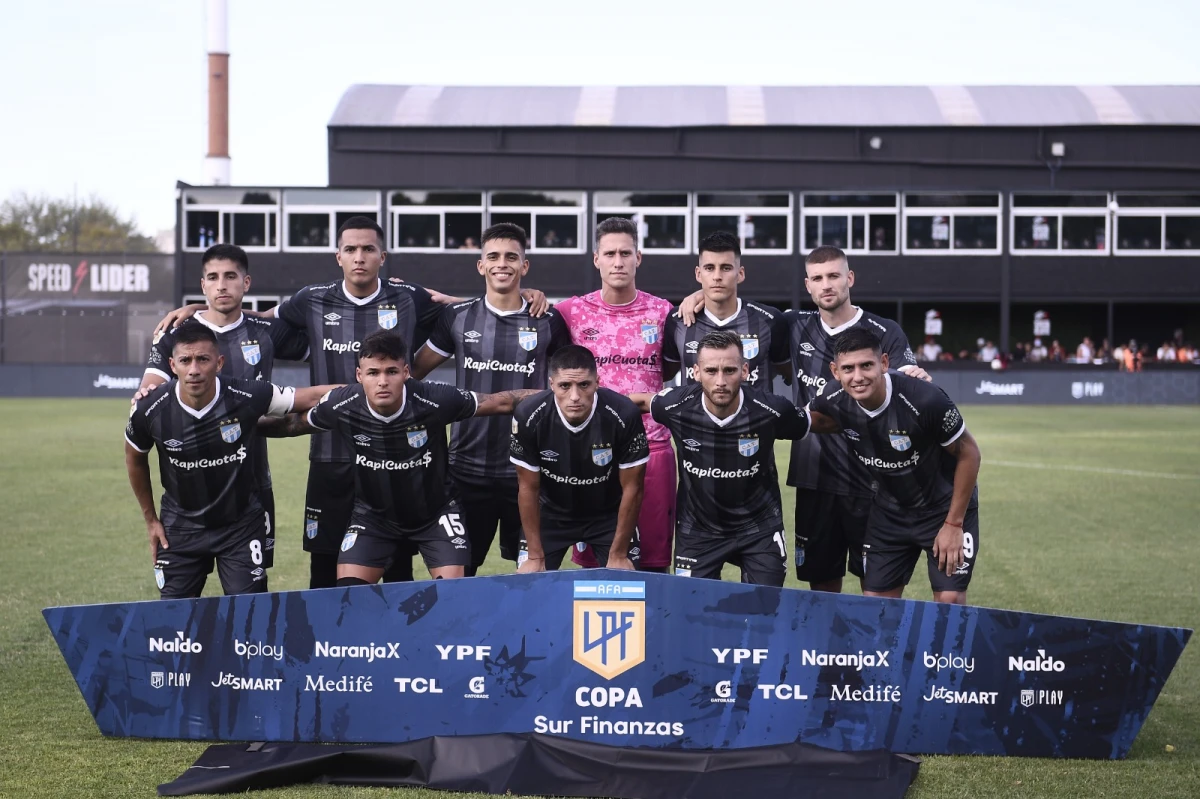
point(1060, 224)
point(762, 221)
point(1157, 224)
point(553, 220)
point(662, 218)
point(313, 216)
point(856, 223)
point(436, 221)
point(248, 218)
point(943, 224)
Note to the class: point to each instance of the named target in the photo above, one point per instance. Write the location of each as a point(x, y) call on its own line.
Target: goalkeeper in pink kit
point(624, 330)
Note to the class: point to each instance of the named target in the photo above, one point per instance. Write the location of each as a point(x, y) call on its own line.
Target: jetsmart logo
point(1042, 662)
point(1000, 389)
point(178, 644)
point(329, 345)
point(123, 383)
point(495, 365)
point(208, 463)
point(368, 652)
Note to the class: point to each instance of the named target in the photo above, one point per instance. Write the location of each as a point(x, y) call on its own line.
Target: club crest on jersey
point(159, 578)
point(388, 317)
point(649, 332)
point(900, 442)
point(251, 352)
point(527, 338)
point(601, 456)
point(310, 528)
point(231, 430)
point(348, 541)
point(750, 347)
point(418, 437)
point(748, 446)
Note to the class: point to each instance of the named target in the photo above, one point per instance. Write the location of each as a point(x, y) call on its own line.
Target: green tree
point(37, 223)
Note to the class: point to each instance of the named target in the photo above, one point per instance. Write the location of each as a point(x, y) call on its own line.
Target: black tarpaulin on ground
point(543, 765)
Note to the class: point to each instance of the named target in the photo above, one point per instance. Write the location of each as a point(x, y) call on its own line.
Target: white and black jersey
point(825, 463)
point(760, 327)
point(336, 323)
point(494, 351)
point(902, 441)
point(204, 456)
point(580, 465)
point(728, 483)
point(400, 461)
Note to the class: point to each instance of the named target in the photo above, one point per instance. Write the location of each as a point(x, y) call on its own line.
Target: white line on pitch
point(1093, 469)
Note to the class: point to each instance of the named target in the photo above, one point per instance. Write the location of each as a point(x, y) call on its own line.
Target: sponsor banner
point(101, 380)
point(1070, 387)
point(71, 279)
point(600, 656)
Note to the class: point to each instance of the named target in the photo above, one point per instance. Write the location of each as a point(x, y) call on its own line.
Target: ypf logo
point(609, 626)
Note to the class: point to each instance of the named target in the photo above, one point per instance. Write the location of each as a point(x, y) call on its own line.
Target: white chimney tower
point(216, 163)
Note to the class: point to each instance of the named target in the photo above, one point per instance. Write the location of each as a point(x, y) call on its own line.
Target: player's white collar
point(394, 416)
point(571, 427)
point(192, 411)
point(499, 312)
point(364, 300)
point(225, 329)
point(833, 331)
point(723, 322)
point(887, 399)
point(730, 417)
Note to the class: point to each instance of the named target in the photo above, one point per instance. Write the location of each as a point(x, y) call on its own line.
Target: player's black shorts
point(486, 503)
point(328, 502)
point(182, 568)
point(373, 542)
point(895, 542)
point(828, 527)
point(762, 556)
point(558, 538)
point(266, 498)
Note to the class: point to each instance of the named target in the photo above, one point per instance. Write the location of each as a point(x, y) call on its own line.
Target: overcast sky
point(109, 97)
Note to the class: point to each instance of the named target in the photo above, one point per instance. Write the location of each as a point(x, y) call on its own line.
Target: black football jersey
point(825, 462)
point(400, 461)
point(728, 483)
point(579, 466)
point(760, 327)
point(902, 442)
point(494, 351)
point(336, 323)
point(204, 456)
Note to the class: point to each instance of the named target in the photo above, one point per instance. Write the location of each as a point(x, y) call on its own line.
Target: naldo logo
point(176, 645)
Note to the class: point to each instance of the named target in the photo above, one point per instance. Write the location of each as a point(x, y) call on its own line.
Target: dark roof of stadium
point(371, 105)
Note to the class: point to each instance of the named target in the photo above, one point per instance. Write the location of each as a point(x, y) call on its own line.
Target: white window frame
point(847, 213)
point(952, 212)
point(221, 210)
point(1058, 213)
point(371, 211)
point(741, 212)
point(579, 211)
point(638, 213)
point(1163, 212)
point(440, 212)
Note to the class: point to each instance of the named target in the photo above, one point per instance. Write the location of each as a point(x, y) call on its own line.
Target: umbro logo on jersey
point(472, 336)
point(173, 442)
point(549, 454)
point(692, 347)
point(691, 444)
point(332, 318)
point(362, 440)
point(591, 333)
point(807, 347)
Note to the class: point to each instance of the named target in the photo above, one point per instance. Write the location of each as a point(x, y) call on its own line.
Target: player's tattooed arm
point(529, 486)
point(137, 465)
point(948, 546)
point(502, 402)
point(294, 424)
point(306, 398)
point(642, 400)
point(822, 423)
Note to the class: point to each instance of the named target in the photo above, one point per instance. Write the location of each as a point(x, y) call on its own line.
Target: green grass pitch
point(1085, 512)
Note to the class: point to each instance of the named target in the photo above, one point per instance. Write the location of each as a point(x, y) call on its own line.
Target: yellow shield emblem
point(609, 626)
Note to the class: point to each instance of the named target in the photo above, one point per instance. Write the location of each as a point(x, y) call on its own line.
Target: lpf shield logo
point(388, 317)
point(418, 437)
point(601, 456)
point(749, 347)
point(310, 528)
point(900, 441)
point(1026, 697)
point(251, 352)
point(156, 679)
point(649, 332)
point(527, 338)
point(748, 446)
point(609, 626)
point(1077, 390)
point(231, 431)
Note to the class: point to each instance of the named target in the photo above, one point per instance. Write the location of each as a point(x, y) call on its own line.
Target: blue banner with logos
point(621, 658)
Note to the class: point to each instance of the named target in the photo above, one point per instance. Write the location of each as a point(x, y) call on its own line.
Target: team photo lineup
point(612, 426)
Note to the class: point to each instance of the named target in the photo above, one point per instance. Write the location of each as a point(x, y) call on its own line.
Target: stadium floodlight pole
point(217, 162)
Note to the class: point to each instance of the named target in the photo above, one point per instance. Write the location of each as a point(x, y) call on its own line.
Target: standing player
point(624, 327)
point(914, 440)
point(833, 490)
point(759, 327)
point(498, 346)
point(248, 346)
point(590, 446)
point(205, 431)
point(404, 495)
point(725, 431)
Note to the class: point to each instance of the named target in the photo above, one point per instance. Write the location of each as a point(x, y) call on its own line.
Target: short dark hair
point(384, 344)
point(505, 231)
point(721, 241)
point(573, 356)
point(193, 334)
point(855, 339)
point(720, 339)
point(617, 224)
point(227, 252)
point(360, 223)
point(824, 254)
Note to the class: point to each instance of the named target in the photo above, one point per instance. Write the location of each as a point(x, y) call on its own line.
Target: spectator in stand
point(930, 350)
point(1118, 355)
point(1057, 353)
point(1019, 351)
point(1186, 353)
point(1166, 352)
point(964, 355)
point(1085, 351)
point(946, 356)
point(1130, 352)
point(1105, 352)
point(1038, 352)
point(988, 352)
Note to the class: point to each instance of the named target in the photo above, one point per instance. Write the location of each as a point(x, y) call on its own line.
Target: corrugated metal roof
point(368, 105)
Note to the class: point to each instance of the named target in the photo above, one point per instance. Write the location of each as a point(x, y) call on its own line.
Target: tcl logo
point(102, 278)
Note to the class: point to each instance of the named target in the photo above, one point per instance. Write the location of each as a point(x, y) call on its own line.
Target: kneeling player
point(205, 430)
point(589, 445)
point(396, 427)
point(914, 440)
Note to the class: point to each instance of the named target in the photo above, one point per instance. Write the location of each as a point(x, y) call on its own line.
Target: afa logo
point(609, 626)
point(649, 332)
point(748, 446)
point(527, 338)
point(388, 317)
point(251, 352)
point(601, 456)
point(750, 347)
point(231, 430)
point(418, 437)
point(900, 441)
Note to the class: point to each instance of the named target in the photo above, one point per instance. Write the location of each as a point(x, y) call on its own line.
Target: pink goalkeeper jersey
point(627, 342)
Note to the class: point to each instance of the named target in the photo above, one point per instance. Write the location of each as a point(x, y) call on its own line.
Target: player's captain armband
point(282, 400)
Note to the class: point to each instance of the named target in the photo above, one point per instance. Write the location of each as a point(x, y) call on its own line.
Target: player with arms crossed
point(725, 431)
point(204, 429)
point(581, 455)
point(914, 440)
